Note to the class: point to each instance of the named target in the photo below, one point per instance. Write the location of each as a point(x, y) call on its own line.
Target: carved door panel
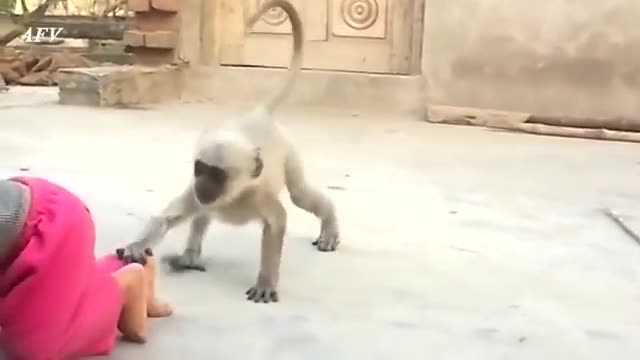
point(348, 35)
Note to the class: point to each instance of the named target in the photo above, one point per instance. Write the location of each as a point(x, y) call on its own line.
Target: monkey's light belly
point(235, 215)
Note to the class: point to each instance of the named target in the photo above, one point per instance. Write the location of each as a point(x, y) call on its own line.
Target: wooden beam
point(80, 27)
point(87, 27)
point(115, 55)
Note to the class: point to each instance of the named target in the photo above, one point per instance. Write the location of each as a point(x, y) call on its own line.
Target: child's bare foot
point(135, 338)
point(159, 309)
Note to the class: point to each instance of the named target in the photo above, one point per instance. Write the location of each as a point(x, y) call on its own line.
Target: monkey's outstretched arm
point(178, 210)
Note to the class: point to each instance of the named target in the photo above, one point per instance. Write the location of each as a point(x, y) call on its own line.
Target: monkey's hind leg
point(310, 199)
point(274, 217)
point(190, 258)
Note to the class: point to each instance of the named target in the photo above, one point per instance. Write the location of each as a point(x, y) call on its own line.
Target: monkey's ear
point(259, 164)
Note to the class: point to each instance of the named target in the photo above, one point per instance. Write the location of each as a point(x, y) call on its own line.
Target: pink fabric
point(56, 300)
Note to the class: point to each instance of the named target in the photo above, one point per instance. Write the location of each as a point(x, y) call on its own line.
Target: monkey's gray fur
point(239, 171)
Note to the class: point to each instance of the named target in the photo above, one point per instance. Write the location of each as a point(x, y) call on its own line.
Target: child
point(56, 300)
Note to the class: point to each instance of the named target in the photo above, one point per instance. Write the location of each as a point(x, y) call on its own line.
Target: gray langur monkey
point(239, 170)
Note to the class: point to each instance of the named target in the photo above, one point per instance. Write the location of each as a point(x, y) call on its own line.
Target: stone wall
point(553, 57)
point(155, 37)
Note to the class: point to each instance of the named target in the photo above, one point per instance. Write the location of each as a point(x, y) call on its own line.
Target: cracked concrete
point(458, 242)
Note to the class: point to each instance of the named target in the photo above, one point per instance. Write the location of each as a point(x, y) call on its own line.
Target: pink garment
point(56, 300)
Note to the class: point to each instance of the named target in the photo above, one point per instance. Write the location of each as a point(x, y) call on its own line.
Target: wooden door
point(349, 35)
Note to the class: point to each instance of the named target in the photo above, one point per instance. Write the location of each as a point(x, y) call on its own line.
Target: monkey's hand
point(327, 241)
point(264, 291)
point(189, 260)
point(134, 253)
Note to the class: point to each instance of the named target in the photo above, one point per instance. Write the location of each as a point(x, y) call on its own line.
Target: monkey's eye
point(213, 173)
point(199, 168)
point(217, 175)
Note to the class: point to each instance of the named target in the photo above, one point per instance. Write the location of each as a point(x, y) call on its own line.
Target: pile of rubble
point(37, 69)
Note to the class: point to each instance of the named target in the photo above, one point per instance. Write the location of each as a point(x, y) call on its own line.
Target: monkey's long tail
point(296, 57)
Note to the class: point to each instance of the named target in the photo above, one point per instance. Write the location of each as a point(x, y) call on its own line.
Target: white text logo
point(36, 35)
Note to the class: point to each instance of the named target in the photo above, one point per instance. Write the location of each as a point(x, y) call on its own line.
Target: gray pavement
point(458, 242)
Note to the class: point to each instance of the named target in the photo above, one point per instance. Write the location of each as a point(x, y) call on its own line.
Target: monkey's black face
point(210, 182)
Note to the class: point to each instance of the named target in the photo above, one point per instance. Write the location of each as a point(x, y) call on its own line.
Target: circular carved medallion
point(360, 14)
point(275, 16)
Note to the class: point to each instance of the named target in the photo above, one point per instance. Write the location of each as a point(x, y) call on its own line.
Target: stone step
point(119, 86)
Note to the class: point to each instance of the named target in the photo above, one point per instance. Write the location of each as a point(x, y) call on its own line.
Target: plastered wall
point(550, 57)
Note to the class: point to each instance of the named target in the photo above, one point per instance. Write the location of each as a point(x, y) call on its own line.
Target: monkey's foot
point(189, 260)
point(327, 241)
point(134, 253)
point(262, 293)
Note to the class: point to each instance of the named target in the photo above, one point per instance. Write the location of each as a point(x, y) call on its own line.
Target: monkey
point(239, 170)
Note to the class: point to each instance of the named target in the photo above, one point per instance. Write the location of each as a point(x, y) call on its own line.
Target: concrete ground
point(458, 242)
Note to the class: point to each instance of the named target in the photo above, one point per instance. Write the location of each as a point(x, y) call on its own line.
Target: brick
point(119, 86)
point(155, 20)
point(153, 57)
point(139, 5)
point(165, 5)
point(161, 39)
point(134, 38)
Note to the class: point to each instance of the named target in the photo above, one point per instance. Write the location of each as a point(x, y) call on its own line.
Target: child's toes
point(158, 309)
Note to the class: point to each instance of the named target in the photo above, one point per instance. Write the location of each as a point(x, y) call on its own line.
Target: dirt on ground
point(27, 68)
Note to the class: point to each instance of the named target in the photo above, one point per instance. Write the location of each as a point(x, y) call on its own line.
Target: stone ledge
point(457, 115)
point(119, 86)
